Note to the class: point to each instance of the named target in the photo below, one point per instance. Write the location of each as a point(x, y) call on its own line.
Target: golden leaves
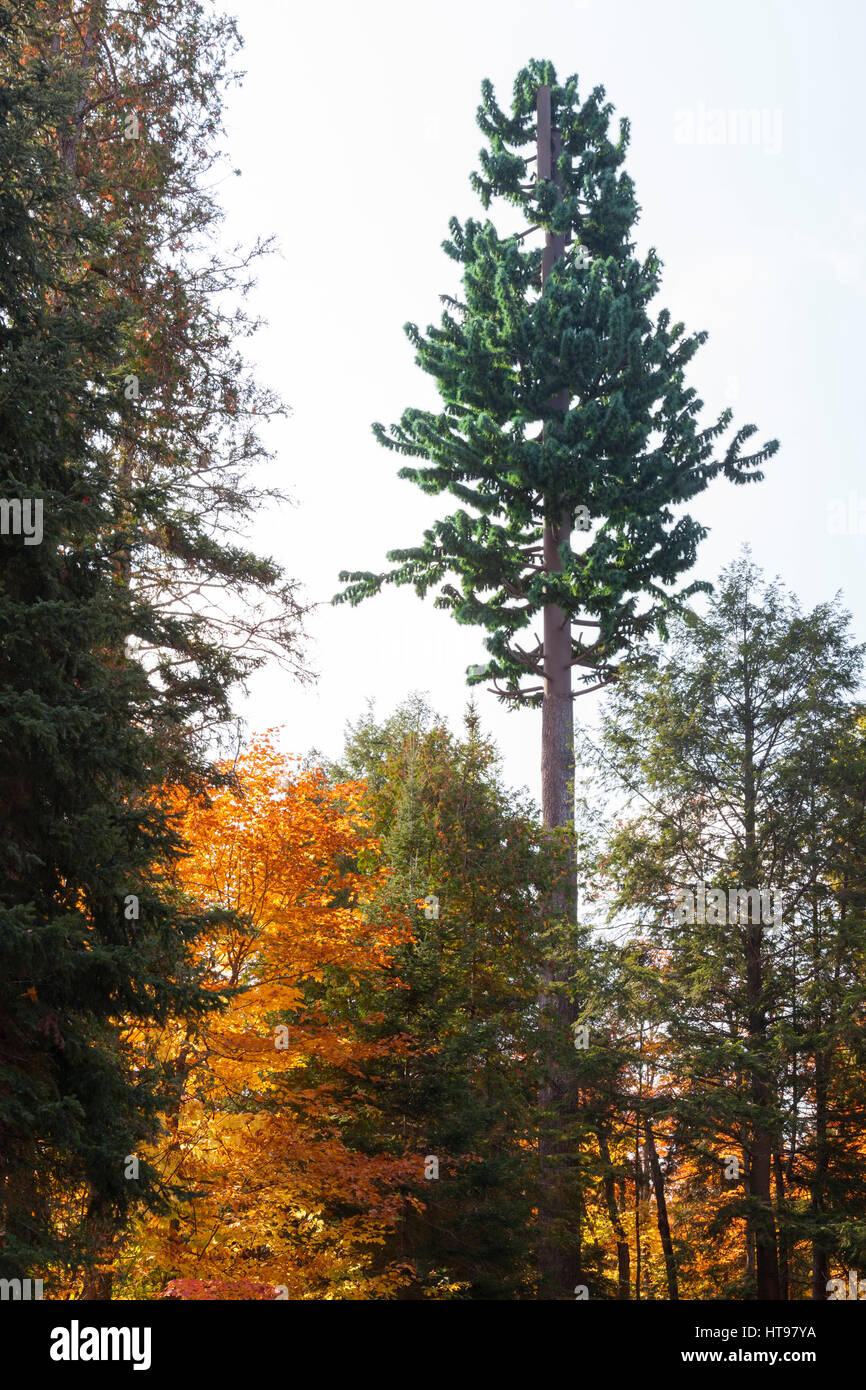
point(257, 1129)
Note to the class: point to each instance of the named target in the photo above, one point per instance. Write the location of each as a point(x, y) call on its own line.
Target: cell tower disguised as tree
point(565, 416)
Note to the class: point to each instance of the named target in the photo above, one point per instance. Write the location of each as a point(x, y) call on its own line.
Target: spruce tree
point(466, 866)
point(565, 410)
point(92, 939)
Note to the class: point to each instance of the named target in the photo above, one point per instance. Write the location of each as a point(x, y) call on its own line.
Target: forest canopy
point(374, 1025)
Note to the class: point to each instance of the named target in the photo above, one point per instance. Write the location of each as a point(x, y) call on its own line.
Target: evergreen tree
point(93, 939)
point(466, 864)
point(565, 406)
point(755, 792)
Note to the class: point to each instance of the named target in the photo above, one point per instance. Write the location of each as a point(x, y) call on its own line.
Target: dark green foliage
point(465, 1092)
point(86, 733)
point(629, 447)
point(742, 757)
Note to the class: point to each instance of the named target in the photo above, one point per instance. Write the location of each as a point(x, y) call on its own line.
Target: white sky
point(355, 131)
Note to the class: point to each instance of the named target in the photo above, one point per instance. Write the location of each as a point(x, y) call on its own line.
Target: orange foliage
point(265, 1084)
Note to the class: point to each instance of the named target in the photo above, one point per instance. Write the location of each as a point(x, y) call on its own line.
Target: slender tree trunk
point(172, 1122)
point(622, 1251)
point(637, 1232)
point(766, 1256)
point(662, 1212)
point(638, 1170)
point(762, 1146)
point(820, 1254)
point(746, 1168)
point(783, 1238)
point(559, 1255)
point(750, 1254)
point(101, 1226)
point(824, 1022)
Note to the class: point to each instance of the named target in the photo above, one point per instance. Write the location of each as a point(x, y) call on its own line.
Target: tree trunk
point(559, 1254)
point(820, 1254)
point(662, 1212)
point(622, 1251)
point(762, 1145)
point(102, 1231)
point(783, 1238)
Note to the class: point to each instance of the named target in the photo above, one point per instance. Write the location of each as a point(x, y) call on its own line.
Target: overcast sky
point(355, 133)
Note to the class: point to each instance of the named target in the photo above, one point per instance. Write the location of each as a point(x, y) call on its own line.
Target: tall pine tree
point(565, 407)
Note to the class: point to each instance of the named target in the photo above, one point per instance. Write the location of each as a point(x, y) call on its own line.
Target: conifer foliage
point(273, 1029)
point(85, 935)
point(116, 472)
point(465, 861)
point(568, 401)
point(565, 409)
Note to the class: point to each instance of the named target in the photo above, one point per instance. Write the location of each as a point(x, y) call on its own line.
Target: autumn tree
point(266, 1191)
